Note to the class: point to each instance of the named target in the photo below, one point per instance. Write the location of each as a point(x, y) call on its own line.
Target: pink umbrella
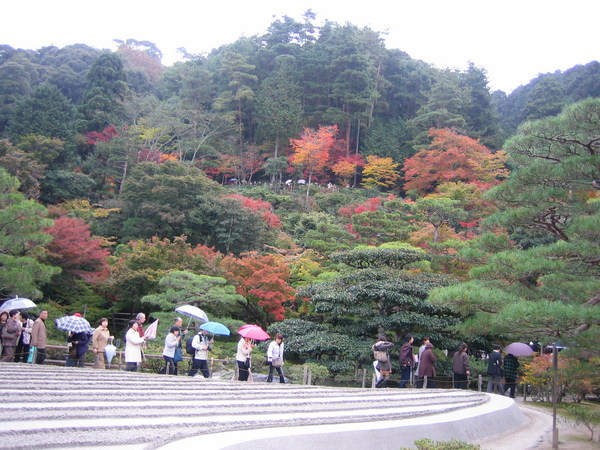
point(518, 349)
point(253, 332)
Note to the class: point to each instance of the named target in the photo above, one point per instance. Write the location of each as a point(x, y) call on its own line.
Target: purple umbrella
point(518, 349)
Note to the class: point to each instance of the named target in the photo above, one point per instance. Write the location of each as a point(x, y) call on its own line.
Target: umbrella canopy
point(17, 303)
point(215, 328)
point(192, 311)
point(74, 324)
point(253, 332)
point(518, 349)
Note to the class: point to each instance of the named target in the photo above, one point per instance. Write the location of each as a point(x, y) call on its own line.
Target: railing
point(306, 378)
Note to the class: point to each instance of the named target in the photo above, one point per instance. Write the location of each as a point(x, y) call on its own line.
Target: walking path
point(65, 407)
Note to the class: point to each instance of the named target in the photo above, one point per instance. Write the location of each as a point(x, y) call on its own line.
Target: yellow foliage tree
point(379, 172)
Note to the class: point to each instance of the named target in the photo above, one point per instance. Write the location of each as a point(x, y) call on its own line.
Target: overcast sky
point(513, 40)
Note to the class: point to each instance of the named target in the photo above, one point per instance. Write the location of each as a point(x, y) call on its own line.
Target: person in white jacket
point(133, 347)
point(202, 345)
point(171, 344)
point(275, 358)
point(244, 357)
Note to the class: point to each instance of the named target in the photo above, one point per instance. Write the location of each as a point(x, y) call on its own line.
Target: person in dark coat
point(427, 364)
point(511, 364)
point(384, 367)
point(80, 344)
point(495, 371)
point(460, 367)
point(11, 332)
point(407, 360)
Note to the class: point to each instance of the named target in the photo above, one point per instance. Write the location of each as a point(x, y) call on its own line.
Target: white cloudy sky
point(514, 40)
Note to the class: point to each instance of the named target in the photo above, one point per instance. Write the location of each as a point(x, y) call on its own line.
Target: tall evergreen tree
point(105, 93)
point(47, 113)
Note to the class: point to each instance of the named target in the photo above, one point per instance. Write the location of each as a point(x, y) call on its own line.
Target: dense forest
point(309, 180)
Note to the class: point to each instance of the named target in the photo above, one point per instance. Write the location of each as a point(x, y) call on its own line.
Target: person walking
point(79, 346)
point(244, 358)
point(172, 341)
point(22, 350)
point(460, 367)
point(419, 378)
point(384, 363)
point(407, 360)
point(202, 345)
point(11, 332)
point(511, 364)
point(494, 371)
point(3, 320)
point(428, 371)
point(275, 358)
point(39, 337)
point(133, 347)
point(100, 340)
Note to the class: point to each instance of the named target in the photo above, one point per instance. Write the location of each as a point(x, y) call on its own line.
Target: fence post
point(425, 382)
point(364, 377)
point(479, 382)
point(309, 377)
point(304, 378)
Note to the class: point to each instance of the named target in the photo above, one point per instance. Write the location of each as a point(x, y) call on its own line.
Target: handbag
point(381, 356)
point(178, 356)
point(277, 362)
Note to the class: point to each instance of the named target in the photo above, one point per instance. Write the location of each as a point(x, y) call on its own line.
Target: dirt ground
point(536, 433)
point(570, 436)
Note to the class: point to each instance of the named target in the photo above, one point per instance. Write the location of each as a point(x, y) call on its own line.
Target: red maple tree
point(260, 207)
point(76, 250)
point(312, 150)
point(452, 157)
point(262, 280)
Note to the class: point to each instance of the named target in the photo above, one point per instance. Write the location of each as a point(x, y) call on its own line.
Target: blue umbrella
point(215, 328)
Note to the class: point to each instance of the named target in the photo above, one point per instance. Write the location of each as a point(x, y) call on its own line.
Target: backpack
point(381, 356)
point(188, 346)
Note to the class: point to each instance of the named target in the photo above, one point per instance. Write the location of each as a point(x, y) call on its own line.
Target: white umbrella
point(110, 351)
point(192, 311)
point(17, 303)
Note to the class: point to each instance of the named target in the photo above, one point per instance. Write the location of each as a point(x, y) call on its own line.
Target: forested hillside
point(308, 174)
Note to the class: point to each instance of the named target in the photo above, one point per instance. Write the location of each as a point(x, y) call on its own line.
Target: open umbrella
point(253, 332)
point(215, 328)
point(518, 349)
point(74, 324)
point(17, 303)
point(192, 311)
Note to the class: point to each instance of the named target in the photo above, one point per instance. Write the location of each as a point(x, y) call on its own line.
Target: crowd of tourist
point(24, 340)
point(421, 369)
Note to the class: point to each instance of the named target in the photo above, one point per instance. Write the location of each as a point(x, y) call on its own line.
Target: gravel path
point(63, 407)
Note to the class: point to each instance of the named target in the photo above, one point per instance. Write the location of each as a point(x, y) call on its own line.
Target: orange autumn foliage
point(452, 157)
